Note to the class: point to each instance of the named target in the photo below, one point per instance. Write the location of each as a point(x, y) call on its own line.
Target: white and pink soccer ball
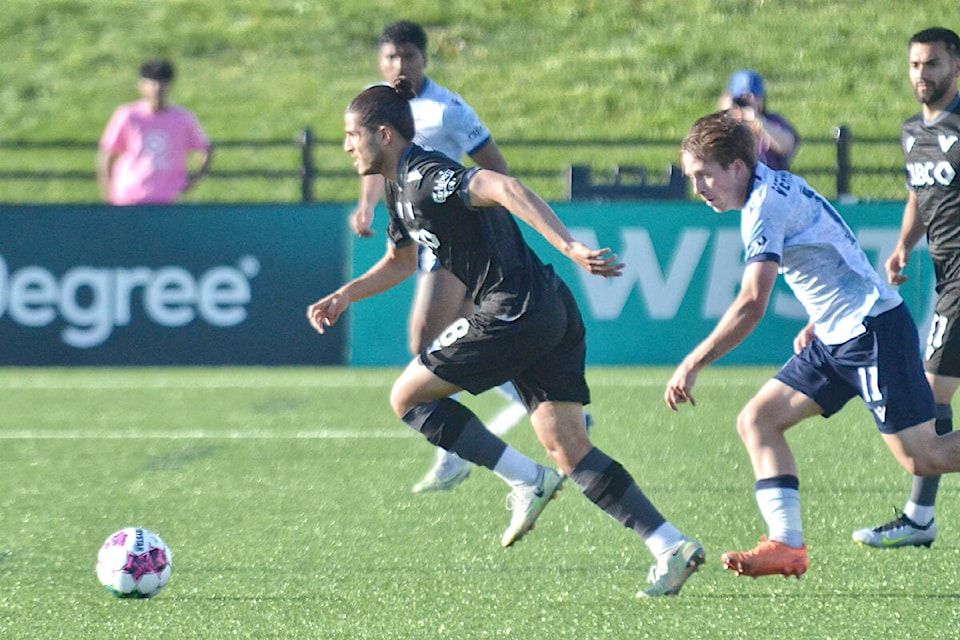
point(134, 563)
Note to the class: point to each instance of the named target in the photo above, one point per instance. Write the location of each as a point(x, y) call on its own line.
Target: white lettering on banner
point(93, 301)
point(878, 243)
point(726, 272)
point(663, 293)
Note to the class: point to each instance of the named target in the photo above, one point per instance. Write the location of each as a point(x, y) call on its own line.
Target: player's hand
point(361, 221)
point(598, 262)
point(679, 387)
point(326, 311)
point(895, 265)
point(803, 338)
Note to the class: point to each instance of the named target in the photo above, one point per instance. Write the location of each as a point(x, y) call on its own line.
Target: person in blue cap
point(777, 140)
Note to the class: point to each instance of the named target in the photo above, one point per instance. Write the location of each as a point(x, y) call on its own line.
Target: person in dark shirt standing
point(932, 155)
point(526, 327)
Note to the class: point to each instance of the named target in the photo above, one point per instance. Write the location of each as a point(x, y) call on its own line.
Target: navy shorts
point(882, 366)
point(543, 352)
point(943, 342)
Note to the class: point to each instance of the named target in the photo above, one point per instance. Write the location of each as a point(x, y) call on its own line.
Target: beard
point(375, 164)
point(932, 92)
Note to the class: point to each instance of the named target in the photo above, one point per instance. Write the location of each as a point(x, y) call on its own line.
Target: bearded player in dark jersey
point(931, 148)
point(526, 327)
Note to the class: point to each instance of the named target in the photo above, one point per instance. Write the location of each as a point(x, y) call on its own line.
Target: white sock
point(514, 468)
point(662, 540)
point(921, 514)
point(780, 508)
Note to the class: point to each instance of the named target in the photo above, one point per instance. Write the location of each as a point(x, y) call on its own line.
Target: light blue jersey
point(445, 123)
point(785, 220)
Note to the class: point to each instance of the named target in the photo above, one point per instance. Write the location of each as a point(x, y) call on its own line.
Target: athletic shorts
point(942, 356)
point(543, 352)
point(882, 366)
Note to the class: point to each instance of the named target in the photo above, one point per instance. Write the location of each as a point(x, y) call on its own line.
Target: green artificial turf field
point(284, 495)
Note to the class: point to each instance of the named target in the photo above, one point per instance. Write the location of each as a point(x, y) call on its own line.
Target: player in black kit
point(526, 328)
point(931, 149)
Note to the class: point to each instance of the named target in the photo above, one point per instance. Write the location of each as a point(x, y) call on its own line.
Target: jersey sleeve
point(463, 123)
point(763, 242)
point(763, 227)
point(198, 137)
point(112, 138)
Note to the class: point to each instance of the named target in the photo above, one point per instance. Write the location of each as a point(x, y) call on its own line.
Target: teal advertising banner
point(684, 264)
point(229, 284)
point(179, 285)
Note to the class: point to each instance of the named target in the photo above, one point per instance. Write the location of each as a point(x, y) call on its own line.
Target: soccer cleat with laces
point(448, 472)
point(667, 579)
point(768, 558)
point(899, 532)
point(527, 503)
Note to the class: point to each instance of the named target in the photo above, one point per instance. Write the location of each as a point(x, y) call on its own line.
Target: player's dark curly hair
point(386, 104)
point(939, 34)
point(722, 138)
point(404, 32)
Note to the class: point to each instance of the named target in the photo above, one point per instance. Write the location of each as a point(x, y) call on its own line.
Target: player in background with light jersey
point(931, 150)
point(860, 340)
point(444, 123)
point(144, 151)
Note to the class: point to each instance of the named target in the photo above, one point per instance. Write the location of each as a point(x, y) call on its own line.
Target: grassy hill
point(565, 71)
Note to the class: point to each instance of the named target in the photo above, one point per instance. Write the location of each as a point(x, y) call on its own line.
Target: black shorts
point(543, 352)
point(942, 356)
point(882, 366)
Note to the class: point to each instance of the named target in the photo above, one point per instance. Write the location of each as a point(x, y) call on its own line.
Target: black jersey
point(483, 247)
point(932, 154)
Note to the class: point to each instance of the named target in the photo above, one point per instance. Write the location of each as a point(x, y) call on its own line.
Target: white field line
point(182, 384)
point(41, 384)
point(321, 434)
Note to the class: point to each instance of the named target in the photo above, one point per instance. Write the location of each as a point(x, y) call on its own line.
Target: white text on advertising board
point(700, 261)
point(93, 301)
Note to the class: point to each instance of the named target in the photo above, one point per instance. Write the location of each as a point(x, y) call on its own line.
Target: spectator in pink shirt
point(144, 151)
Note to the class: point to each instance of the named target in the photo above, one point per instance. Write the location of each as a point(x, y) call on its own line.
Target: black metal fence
point(627, 182)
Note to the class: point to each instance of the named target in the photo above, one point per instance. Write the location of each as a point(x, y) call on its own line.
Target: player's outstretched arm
point(488, 188)
point(736, 323)
point(326, 311)
point(396, 265)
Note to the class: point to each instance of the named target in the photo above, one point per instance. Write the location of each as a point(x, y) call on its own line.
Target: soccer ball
point(134, 563)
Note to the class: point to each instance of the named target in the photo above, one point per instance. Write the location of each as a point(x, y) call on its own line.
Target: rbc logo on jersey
point(444, 185)
point(928, 174)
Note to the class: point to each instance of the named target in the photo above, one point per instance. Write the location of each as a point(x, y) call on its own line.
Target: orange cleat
point(768, 558)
